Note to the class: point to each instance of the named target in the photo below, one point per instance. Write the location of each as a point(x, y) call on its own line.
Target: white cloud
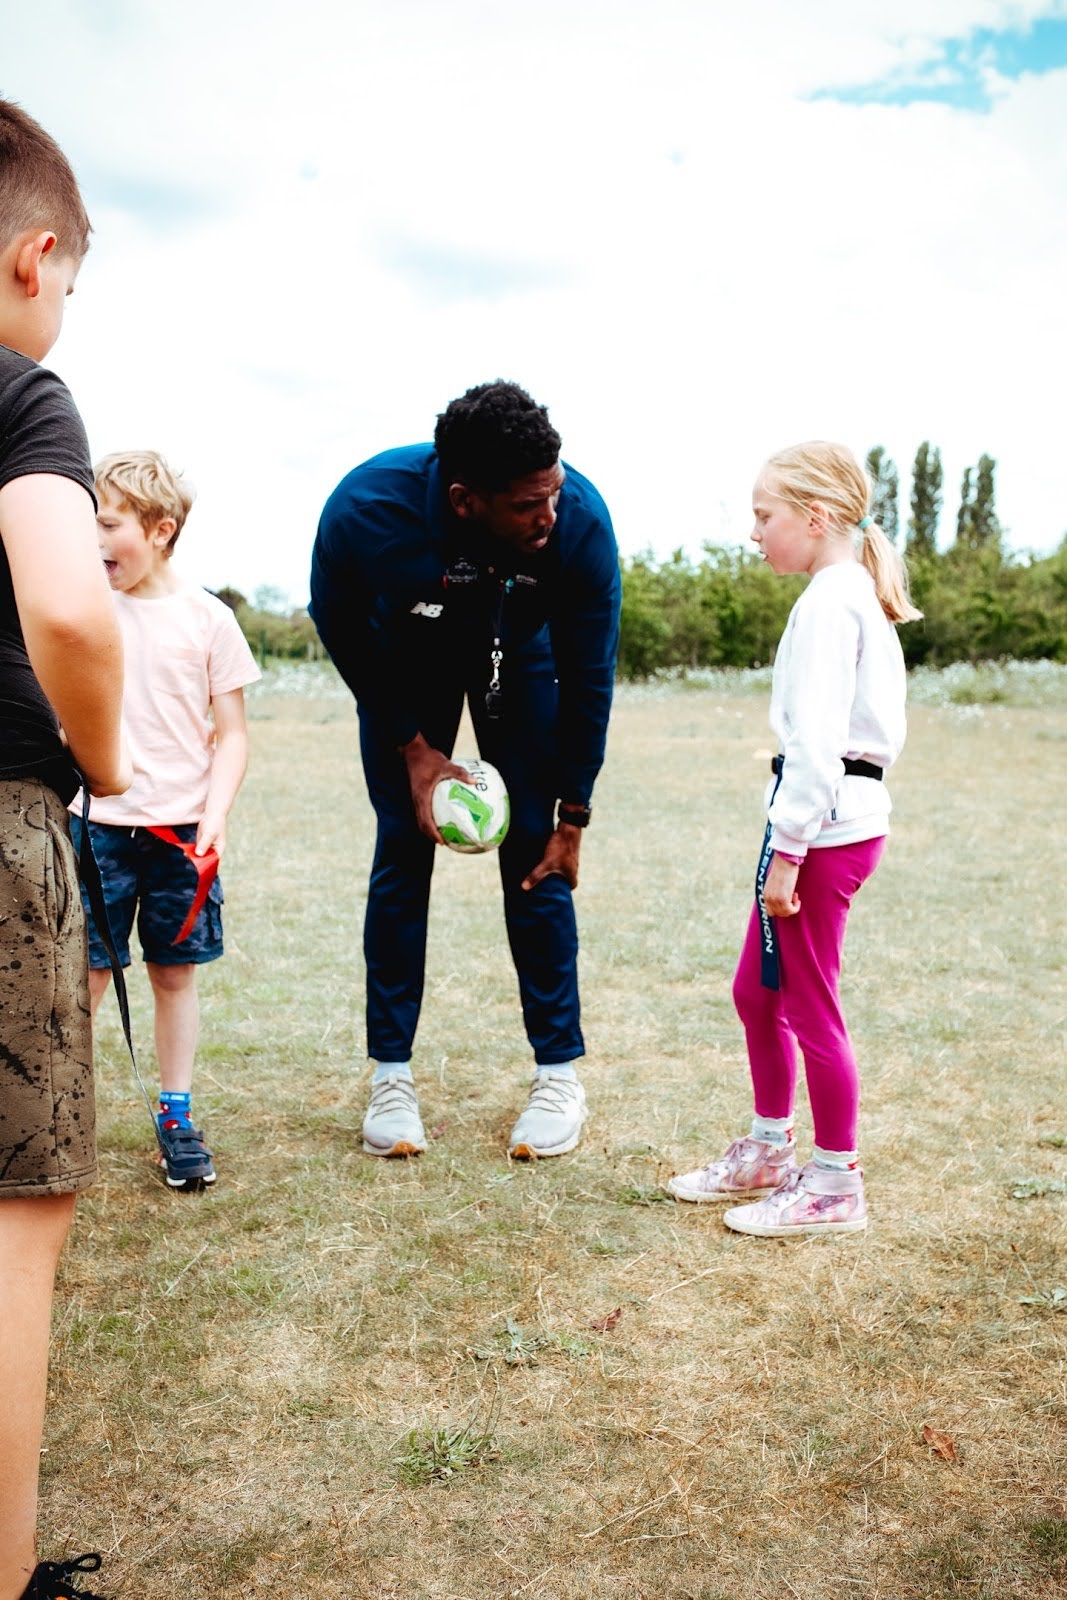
point(316, 224)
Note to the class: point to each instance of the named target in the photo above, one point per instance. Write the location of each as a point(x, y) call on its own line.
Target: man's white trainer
point(552, 1122)
point(392, 1126)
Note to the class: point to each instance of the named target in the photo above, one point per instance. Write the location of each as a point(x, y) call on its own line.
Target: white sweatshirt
point(838, 690)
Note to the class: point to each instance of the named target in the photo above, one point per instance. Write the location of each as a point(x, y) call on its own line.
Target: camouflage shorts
point(47, 1111)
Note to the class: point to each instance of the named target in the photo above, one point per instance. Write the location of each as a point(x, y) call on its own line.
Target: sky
point(696, 231)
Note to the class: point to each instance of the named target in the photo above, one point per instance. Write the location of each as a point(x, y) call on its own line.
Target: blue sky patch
point(166, 206)
point(957, 72)
point(447, 275)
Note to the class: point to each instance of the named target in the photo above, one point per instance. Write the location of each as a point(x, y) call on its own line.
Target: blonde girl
point(837, 709)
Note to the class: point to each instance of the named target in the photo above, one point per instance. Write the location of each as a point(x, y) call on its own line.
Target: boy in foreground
point(60, 656)
point(183, 715)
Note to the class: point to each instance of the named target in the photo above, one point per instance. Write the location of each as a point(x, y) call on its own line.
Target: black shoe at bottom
point(53, 1580)
point(184, 1157)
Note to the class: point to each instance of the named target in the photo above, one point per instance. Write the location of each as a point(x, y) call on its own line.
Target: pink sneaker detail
point(749, 1167)
point(810, 1200)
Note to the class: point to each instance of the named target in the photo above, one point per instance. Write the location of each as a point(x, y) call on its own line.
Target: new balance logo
point(423, 608)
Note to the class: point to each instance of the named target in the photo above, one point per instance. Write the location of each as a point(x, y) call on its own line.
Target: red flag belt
point(206, 866)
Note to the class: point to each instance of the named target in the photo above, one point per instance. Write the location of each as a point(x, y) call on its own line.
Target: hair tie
point(865, 522)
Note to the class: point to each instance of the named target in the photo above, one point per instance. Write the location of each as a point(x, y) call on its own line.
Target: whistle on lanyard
point(494, 694)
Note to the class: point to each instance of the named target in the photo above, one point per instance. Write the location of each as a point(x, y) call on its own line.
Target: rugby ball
point(473, 817)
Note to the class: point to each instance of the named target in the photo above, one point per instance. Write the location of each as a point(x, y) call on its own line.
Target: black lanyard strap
point(770, 963)
point(770, 959)
point(494, 695)
point(89, 872)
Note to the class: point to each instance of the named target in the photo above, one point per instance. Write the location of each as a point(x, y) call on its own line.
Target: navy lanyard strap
point(770, 961)
point(770, 964)
point(89, 873)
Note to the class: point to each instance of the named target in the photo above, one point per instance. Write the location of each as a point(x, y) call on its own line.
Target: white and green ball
point(473, 817)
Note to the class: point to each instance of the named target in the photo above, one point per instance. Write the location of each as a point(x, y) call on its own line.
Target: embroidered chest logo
point(426, 608)
point(461, 572)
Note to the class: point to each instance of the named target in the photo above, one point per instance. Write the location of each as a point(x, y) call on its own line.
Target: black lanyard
point(494, 695)
point(770, 964)
point(89, 872)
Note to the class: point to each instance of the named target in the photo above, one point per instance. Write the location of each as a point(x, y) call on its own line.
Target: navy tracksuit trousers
point(541, 925)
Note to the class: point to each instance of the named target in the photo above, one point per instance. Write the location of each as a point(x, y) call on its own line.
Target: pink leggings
point(806, 1010)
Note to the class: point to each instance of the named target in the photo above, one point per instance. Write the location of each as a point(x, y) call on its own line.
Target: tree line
point(275, 629)
point(980, 601)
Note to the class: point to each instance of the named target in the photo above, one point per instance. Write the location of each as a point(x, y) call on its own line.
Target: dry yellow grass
point(235, 1375)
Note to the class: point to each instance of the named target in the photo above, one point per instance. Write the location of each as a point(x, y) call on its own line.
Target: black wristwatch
point(576, 816)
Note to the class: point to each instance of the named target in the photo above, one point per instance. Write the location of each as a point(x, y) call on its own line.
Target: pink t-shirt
point(180, 651)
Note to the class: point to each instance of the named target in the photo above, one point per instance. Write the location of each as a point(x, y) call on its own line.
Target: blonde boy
point(183, 713)
point(60, 654)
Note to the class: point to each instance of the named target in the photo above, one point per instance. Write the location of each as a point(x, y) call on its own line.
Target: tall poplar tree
point(986, 523)
point(977, 525)
point(965, 515)
point(926, 480)
point(885, 480)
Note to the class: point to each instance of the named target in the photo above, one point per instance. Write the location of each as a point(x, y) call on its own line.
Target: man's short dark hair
point(37, 187)
point(494, 434)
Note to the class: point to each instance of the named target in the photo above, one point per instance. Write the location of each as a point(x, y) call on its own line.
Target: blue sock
point(391, 1069)
point(174, 1107)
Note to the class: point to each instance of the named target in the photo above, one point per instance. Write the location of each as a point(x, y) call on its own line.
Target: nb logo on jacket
point(426, 608)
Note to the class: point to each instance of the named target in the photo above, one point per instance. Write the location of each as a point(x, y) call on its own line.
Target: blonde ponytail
point(831, 475)
point(886, 566)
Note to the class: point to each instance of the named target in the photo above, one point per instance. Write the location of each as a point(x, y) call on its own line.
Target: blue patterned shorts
point(145, 877)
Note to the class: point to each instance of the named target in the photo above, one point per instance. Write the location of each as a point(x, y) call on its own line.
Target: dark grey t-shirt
point(40, 431)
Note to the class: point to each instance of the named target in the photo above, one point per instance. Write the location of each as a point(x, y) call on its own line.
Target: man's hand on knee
point(561, 857)
point(426, 767)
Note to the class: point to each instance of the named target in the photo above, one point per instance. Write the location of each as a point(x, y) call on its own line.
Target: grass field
point(460, 1379)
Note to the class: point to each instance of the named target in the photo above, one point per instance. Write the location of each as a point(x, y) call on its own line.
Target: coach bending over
point(480, 566)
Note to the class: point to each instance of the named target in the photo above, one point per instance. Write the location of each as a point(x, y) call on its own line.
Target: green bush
point(272, 629)
point(728, 609)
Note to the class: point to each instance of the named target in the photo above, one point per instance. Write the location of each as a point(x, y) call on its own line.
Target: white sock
point(836, 1160)
point(392, 1069)
point(562, 1069)
point(773, 1130)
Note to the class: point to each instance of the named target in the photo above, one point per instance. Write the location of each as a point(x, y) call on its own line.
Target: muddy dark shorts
point(145, 877)
point(47, 1112)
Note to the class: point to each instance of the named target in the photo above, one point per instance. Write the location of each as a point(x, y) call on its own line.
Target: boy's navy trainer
point(185, 1158)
